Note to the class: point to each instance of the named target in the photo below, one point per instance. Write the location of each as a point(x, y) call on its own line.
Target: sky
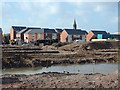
point(88, 15)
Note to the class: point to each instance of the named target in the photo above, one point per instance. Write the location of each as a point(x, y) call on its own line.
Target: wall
point(64, 36)
point(41, 36)
point(90, 36)
point(12, 34)
point(26, 40)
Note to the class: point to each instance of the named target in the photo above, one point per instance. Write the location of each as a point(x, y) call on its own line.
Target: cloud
point(99, 8)
point(57, 14)
point(35, 7)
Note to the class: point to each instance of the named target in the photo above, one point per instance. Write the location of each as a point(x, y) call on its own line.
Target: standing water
point(82, 69)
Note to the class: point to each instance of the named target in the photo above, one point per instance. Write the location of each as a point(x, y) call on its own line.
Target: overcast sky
point(88, 15)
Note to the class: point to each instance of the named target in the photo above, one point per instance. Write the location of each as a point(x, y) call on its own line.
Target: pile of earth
point(91, 46)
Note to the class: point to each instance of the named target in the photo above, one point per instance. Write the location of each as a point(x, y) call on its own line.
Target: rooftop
point(42, 30)
point(98, 32)
point(75, 32)
point(18, 28)
point(59, 30)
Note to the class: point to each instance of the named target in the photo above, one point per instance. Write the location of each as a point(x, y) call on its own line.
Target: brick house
point(32, 35)
point(14, 30)
point(20, 34)
point(69, 35)
point(93, 34)
point(0, 35)
point(58, 31)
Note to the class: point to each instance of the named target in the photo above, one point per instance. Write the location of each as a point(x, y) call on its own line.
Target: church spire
point(74, 25)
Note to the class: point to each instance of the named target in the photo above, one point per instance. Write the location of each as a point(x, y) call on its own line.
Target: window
point(80, 37)
point(32, 35)
point(38, 35)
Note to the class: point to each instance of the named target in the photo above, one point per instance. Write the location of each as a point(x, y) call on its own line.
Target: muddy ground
point(68, 54)
point(76, 53)
point(61, 80)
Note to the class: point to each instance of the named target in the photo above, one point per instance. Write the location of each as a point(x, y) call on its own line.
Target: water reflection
point(104, 68)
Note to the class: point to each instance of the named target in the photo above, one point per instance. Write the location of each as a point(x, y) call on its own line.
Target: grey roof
point(18, 28)
point(59, 30)
point(49, 31)
point(99, 32)
point(33, 28)
point(21, 31)
point(75, 32)
point(27, 28)
point(42, 30)
point(33, 31)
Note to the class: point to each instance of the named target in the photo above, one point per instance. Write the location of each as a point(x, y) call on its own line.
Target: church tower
point(74, 25)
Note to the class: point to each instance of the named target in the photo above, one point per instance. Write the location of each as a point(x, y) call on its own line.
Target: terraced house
point(14, 30)
point(93, 34)
point(32, 35)
point(20, 34)
point(70, 35)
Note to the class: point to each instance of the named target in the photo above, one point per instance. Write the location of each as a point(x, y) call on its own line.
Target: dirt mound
point(48, 47)
point(60, 44)
point(91, 46)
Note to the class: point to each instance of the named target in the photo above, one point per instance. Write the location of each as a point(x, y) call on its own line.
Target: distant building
point(69, 35)
point(20, 34)
point(108, 36)
point(58, 31)
point(93, 34)
point(33, 35)
point(15, 30)
point(0, 35)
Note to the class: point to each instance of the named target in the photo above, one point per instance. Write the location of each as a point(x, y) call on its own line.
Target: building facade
point(93, 34)
point(108, 36)
point(33, 35)
point(14, 30)
point(20, 35)
point(70, 35)
point(58, 31)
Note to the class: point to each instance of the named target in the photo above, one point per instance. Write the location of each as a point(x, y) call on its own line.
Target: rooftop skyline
point(88, 15)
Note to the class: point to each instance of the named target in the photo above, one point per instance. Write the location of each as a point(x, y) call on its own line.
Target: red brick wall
point(12, 34)
point(90, 36)
point(41, 36)
point(29, 36)
point(64, 36)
